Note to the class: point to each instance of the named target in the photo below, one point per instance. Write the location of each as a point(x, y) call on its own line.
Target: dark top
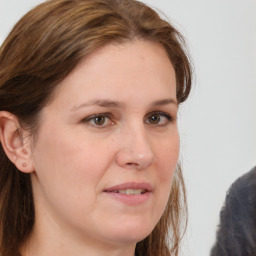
point(236, 235)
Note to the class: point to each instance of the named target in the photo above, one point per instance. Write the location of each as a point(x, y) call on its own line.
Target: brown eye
point(158, 118)
point(154, 119)
point(102, 120)
point(99, 120)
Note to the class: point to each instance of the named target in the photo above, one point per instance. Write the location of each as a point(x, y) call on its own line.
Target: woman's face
point(107, 147)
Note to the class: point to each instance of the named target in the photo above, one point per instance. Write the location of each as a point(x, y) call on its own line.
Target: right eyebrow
point(100, 103)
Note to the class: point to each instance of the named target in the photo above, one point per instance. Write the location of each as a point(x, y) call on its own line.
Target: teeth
point(131, 191)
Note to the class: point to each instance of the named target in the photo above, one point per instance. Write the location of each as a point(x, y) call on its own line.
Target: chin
point(131, 232)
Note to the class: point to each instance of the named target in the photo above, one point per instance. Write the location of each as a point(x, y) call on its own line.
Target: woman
point(236, 235)
point(89, 94)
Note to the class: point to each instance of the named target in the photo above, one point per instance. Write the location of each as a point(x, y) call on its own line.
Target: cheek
point(167, 158)
point(63, 160)
point(168, 154)
point(68, 172)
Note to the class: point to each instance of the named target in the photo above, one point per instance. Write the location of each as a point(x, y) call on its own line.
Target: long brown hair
point(40, 51)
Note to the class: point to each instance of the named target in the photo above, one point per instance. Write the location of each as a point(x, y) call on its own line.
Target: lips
point(130, 188)
point(130, 193)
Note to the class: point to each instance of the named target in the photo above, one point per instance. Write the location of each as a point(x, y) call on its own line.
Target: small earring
point(24, 164)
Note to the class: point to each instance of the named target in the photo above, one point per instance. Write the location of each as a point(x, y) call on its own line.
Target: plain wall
point(217, 124)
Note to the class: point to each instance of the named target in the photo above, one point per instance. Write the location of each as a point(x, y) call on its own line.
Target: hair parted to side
point(40, 51)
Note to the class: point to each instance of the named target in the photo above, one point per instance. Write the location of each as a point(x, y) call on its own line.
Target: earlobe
point(15, 142)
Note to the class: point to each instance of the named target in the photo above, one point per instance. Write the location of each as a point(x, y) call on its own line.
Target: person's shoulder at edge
point(236, 234)
point(247, 179)
point(243, 187)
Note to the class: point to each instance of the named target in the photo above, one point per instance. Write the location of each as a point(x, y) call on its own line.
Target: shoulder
point(248, 179)
point(236, 234)
point(242, 192)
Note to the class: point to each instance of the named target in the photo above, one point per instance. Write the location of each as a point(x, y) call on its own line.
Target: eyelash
point(91, 119)
point(161, 114)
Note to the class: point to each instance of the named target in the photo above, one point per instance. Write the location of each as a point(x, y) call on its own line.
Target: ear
point(15, 142)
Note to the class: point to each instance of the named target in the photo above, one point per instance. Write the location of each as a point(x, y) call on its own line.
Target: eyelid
point(168, 116)
point(91, 117)
point(96, 115)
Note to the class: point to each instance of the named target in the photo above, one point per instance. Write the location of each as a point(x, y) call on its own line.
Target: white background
point(217, 124)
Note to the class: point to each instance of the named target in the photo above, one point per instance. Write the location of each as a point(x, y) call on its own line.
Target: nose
point(135, 150)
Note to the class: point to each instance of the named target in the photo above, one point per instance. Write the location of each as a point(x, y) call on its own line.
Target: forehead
point(119, 70)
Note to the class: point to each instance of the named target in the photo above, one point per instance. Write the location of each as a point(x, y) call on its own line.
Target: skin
point(76, 157)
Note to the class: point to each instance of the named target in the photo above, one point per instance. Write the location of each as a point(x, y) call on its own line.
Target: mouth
point(131, 188)
point(130, 193)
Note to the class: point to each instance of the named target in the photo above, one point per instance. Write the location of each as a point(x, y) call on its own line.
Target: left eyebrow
point(164, 102)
